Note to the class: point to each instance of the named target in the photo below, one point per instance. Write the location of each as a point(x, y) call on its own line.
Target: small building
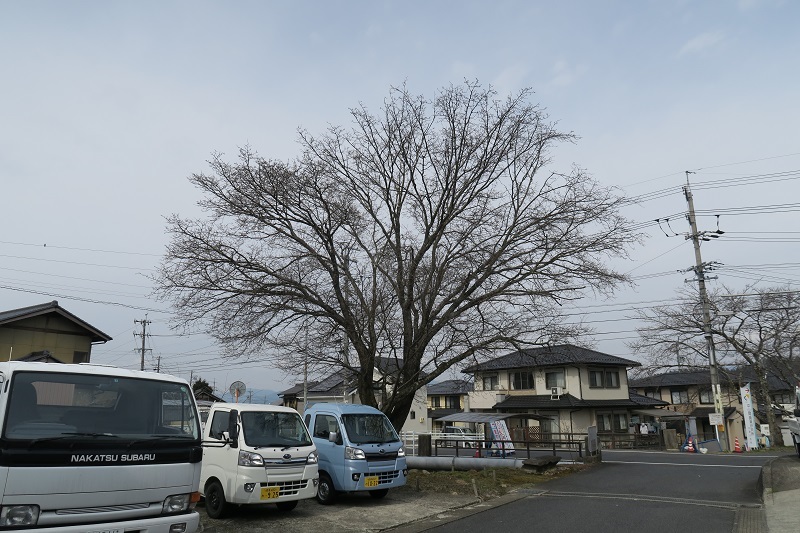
point(689, 392)
point(447, 398)
point(558, 392)
point(47, 332)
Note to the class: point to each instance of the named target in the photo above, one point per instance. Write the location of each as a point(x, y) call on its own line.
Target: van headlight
point(312, 458)
point(19, 515)
point(401, 452)
point(250, 459)
point(177, 503)
point(354, 453)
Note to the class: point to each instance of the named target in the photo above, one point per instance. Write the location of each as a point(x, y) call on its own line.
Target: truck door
point(219, 458)
point(331, 454)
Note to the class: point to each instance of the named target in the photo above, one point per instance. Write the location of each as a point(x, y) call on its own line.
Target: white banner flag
point(749, 418)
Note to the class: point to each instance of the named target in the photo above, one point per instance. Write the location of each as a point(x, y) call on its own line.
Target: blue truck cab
point(358, 448)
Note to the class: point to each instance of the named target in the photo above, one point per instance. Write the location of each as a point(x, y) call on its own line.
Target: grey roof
point(560, 355)
point(451, 386)
point(15, 315)
point(728, 376)
point(488, 417)
point(568, 401)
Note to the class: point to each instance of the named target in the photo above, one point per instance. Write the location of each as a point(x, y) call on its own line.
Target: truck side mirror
point(233, 428)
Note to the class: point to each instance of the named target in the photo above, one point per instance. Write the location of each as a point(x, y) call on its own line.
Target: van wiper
point(156, 438)
point(63, 436)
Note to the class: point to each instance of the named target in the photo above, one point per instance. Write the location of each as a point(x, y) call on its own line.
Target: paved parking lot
point(352, 512)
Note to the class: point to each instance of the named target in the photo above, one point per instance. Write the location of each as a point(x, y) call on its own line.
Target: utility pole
point(700, 273)
point(143, 334)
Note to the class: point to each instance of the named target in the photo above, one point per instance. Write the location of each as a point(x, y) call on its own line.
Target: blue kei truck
point(358, 448)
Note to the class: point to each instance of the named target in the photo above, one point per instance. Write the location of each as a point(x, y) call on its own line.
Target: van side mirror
point(333, 437)
point(233, 428)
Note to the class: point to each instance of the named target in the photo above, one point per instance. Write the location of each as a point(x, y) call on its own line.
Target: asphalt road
point(645, 491)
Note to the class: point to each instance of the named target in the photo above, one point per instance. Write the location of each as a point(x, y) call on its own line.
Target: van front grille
point(288, 488)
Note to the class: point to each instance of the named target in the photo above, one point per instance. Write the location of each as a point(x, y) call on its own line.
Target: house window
point(620, 422)
point(652, 393)
point(436, 402)
point(613, 422)
point(412, 415)
point(608, 379)
point(783, 397)
point(604, 423)
point(679, 396)
point(706, 396)
point(522, 380)
point(80, 357)
point(452, 402)
point(554, 378)
point(491, 382)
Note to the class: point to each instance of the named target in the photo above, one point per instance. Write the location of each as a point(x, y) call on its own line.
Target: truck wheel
point(326, 494)
point(378, 494)
point(286, 506)
point(216, 506)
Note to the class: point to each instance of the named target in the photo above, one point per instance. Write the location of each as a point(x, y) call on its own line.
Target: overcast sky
point(106, 107)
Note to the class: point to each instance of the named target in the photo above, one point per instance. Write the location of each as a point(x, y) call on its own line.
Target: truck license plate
point(267, 493)
point(371, 481)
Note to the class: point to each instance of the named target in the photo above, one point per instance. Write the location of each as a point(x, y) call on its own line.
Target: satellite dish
point(237, 389)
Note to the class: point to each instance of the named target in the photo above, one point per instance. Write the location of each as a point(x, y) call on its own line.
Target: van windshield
point(44, 406)
point(369, 428)
point(262, 429)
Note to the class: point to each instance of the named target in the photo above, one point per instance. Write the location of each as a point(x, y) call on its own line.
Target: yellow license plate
point(371, 481)
point(267, 493)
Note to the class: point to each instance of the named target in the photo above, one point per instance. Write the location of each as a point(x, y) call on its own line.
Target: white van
point(256, 454)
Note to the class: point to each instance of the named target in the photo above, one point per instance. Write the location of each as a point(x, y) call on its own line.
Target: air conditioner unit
point(556, 392)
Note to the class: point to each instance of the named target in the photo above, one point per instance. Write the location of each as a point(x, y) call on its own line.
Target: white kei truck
point(87, 448)
point(359, 450)
point(256, 454)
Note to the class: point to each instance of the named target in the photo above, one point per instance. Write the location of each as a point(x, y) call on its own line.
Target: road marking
point(680, 464)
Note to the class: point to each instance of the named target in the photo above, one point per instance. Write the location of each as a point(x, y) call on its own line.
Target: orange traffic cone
point(736, 447)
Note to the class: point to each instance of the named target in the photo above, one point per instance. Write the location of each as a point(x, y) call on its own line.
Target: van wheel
point(326, 494)
point(286, 506)
point(378, 494)
point(216, 506)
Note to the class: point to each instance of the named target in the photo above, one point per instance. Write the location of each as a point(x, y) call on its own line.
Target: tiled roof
point(14, 315)
point(565, 401)
point(451, 386)
point(564, 354)
point(728, 376)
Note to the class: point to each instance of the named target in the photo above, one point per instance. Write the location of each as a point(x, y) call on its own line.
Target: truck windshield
point(53, 405)
point(369, 428)
point(263, 429)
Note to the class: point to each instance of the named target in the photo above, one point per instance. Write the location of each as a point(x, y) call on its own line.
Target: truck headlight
point(312, 458)
point(250, 459)
point(354, 453)
point(177, 503)
point(19, 515)
point(401, 452)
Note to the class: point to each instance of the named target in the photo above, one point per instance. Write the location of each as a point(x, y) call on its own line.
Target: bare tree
point(424, 236)
point(756, 333)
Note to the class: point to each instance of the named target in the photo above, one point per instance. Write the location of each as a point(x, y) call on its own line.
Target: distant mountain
point(254, 396)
